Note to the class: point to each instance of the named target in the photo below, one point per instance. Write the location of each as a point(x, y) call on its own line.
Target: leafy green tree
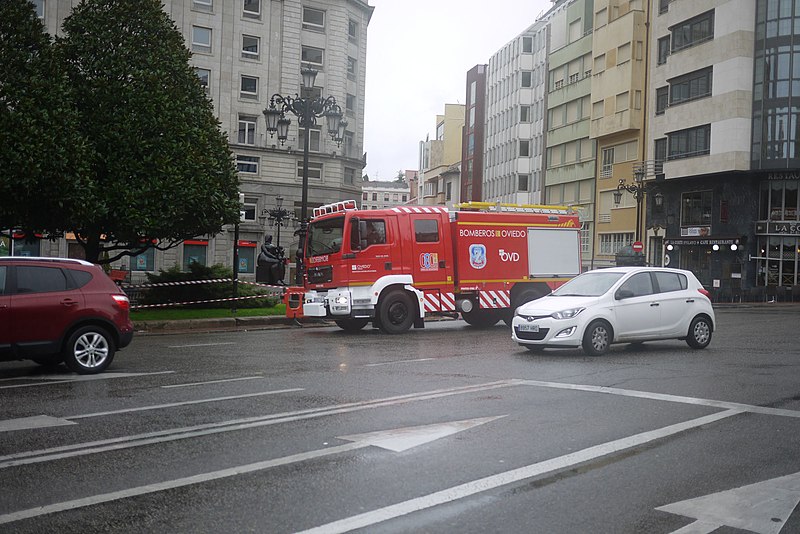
point(401, 177)
point(162, 170)
point(43, 157)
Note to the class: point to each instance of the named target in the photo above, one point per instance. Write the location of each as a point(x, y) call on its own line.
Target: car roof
point(46, 259)
point(639, 269)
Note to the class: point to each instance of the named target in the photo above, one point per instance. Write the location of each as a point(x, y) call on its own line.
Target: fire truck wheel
point(481, 318)
point(396, 312)
point(351, 325)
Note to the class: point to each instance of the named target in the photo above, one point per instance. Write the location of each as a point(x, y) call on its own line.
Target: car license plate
point(528, 327)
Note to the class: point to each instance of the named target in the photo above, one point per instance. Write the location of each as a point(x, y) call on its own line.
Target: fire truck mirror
point(362, 234)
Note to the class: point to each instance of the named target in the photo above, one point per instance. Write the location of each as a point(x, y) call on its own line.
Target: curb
point(221, 324)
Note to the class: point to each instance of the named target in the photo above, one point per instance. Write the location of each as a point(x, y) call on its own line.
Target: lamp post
point(307, 110)
point(277, 216)
point(637, 189)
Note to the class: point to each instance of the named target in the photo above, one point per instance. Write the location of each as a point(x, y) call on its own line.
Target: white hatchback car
point(617, 305)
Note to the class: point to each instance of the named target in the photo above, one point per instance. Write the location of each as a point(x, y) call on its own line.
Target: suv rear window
point(40, 279)
point(80, 278)
point(2, 280)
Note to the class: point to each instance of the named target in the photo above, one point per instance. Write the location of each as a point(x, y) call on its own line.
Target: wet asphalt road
point(264, 431)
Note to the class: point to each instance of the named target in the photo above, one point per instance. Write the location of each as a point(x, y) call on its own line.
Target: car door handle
point(653, 304)
point(69, 302)
point(689, 300)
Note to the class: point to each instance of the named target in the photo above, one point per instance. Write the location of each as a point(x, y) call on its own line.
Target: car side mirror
point(622, 294)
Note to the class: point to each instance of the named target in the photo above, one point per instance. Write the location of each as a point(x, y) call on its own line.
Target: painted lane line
point(65, 379)
point(28, 423)
point(183, 403)
point(126, 442)
point(399, 361)
point(510, 477)
point(397, 440)
point(200, 345)
point(212, 382)
point(666, 397)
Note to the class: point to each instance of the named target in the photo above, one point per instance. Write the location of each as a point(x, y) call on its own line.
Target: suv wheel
point(89, 350)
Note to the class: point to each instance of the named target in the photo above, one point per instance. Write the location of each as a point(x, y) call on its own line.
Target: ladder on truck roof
point(345, 205)
point(515, 208)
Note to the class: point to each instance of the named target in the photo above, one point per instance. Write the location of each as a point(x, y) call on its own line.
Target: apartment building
point(381, 194)
point(571, 152)
point(473, 140)
point(439, 179)
point(618, 85)
point(515, 117)
point(720, 139)
point(244, 51)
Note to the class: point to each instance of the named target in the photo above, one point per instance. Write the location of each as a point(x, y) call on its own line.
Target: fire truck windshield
point(325, 236)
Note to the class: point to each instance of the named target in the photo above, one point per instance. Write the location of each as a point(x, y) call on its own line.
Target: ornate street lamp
point(307, 110)
point(278, 216)
point(637, 189)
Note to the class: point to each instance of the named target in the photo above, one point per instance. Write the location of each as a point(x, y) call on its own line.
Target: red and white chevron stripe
point(435, 301)
point(419, 209)
point(495, 299)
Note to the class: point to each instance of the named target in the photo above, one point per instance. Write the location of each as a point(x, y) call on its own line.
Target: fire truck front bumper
point(336, 303)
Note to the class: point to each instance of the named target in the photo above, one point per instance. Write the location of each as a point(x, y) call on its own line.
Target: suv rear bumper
point(125, 339)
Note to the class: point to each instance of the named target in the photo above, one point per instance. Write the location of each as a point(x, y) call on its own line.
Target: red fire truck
point(393, 267)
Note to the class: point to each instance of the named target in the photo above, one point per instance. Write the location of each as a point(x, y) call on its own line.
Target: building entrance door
point(697, 260)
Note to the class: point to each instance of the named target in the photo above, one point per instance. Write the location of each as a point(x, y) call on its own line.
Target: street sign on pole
point(637, 246)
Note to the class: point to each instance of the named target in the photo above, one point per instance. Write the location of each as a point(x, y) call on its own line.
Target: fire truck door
point(431, 259)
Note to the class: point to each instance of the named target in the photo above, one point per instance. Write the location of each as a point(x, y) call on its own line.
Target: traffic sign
point(637, 246)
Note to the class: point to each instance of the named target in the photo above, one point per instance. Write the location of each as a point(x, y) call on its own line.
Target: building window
point(522, 184)
point(204, 75)
point(350, 104)
point(663, 6)
point(203, 5)
point(247, 130)
point(39, 6)
point(404, 198)
point(448, 194)
point(690, 86)
point(524, 148)
point(623, 101)
point(146, 261)
point(201, 39)
point(313, 139)
point(527, 78)
point(352, 31)
point(607, 169)
point(524, 114)
point(250, 46)
point(352, 69)
point(662, 99)
point(660, 153)
point(374, 197)
point(696, 208)
point(313, 19)
point(247, 164)
point(689, 142)
point(313, 56)
point(663, 50)
point(386, 197)
point(350, 177)
point(194, 252)
point(314, 170)
point(527, 45)
point(611, 243)
point(693, 31)
point(348, 144)
point(249, 207)
point(248, 87)
point(251, 9)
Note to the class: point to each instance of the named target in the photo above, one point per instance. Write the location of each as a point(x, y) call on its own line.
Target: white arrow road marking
point(763, 507)
point(149, 438)
point(509, 477)
point(422, 434)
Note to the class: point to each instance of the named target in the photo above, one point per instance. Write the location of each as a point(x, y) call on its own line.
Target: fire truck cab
point(392, 267)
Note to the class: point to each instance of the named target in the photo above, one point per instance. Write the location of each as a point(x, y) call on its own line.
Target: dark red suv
point(55, 310)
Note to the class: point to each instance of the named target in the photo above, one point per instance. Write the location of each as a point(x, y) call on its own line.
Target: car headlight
point(567, 314)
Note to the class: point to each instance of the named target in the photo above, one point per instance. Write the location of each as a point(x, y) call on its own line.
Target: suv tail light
point(122, 301)
point(705, 292)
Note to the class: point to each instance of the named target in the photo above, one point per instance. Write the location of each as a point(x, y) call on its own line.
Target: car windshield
point(325, 236)
point(588, 284)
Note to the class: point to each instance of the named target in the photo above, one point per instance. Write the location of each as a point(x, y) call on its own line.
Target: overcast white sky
point(418, 55)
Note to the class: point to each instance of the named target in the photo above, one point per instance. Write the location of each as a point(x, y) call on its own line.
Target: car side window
point(671, 282)
point(40, 279)
point(639, 284)
point(3, 280)
point(376, 232)
point(81, 278)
